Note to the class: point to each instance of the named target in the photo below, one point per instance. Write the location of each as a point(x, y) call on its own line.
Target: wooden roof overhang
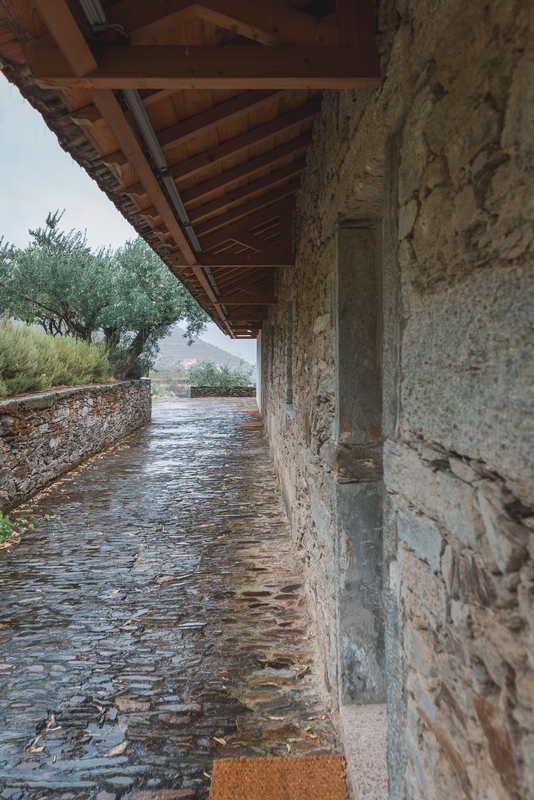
point(230, 88)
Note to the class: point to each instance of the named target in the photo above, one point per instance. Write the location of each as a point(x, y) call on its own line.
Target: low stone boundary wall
point(43, 435)
point(216, 391)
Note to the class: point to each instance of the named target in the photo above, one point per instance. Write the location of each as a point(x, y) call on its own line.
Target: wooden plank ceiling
point(231, 89)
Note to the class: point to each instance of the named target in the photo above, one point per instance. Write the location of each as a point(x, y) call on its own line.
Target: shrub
point(208, 373)
point(32, 361)
point(11, 527)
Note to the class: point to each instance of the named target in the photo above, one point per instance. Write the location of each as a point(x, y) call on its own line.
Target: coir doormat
point(305, 778)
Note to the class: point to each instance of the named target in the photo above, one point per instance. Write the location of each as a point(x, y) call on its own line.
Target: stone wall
point(217, 391)
point(439, 162)
point(43, 435)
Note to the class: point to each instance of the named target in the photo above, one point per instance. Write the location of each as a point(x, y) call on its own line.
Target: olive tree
point(126, 298)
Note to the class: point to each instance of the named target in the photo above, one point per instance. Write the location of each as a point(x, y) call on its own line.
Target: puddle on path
point(163, 626)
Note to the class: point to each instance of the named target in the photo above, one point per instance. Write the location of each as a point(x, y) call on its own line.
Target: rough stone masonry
point(43, 435)
point(403, 338)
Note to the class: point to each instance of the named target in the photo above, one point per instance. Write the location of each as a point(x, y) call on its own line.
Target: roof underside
point(231, 89)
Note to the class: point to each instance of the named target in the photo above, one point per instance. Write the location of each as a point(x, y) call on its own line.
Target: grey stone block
point(422, 535)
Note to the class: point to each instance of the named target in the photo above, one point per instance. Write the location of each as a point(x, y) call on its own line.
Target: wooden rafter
point(249, 259)
point(255, 136)
point(229, 110)
point(240, 195)
point(241, 212)
point(64, 29)
point(249, 190)
point(264, 217)
point(264, 21)
point(248, 169)
point(239, 300)
point(235, 148)
point(195, 166)
point(198, 67)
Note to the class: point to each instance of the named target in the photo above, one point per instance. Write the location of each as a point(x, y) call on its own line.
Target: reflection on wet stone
point(163, 626)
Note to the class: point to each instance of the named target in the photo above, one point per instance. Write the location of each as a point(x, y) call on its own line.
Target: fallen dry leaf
point(118, 749)
point(278, 719)
point(33, 749)
point(319, 716)
point(220, 740)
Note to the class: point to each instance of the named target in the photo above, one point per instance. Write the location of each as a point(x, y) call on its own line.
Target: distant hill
point(175, 348)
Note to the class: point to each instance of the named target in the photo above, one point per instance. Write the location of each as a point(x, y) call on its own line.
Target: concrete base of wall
point(364, 731)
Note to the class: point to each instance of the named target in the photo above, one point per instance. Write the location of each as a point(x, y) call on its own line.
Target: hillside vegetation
point(207, 373)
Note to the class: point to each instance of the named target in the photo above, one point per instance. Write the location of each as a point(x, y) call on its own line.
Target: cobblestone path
point(163, 626)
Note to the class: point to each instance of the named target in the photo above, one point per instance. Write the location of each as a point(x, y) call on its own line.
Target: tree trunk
point(136, 348)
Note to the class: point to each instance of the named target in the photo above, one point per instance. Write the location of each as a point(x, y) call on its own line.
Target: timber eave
point(194, 119)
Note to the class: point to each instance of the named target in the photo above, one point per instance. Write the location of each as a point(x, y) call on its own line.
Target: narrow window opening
point(289, 377)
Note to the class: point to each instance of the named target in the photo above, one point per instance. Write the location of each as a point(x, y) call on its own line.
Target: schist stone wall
point(43, 435)
point(217, 391)
point(397, 378)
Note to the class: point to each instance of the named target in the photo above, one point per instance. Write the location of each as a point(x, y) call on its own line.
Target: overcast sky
point(37, 176)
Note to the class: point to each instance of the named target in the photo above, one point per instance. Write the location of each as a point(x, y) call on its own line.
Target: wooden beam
point(254, 293)
point(107, 104)
point(238, 144)
point(201, 67)
point(356, 23)
point(249, 168)
point(269, 22)
point(265, 21)
point(251, 317)
point(163, 24)
point(152, 96)
point(255, 242)
point(235, 300)
point(198, 164)
point(89, 115)
point(188, 129)
point(247, 259)
point(62, 26)
point(240, 212)
point(65, 36)
point(231, 232)
point(250, 189)
point(64, 30)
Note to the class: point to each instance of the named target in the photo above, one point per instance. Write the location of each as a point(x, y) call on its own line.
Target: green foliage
point(169, 378)
point(20, 525)
point(208, 373)
point(32, 361)
point(162, 390)
point(128, 298)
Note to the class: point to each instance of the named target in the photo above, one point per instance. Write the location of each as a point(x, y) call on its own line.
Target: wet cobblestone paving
point(163, 626)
